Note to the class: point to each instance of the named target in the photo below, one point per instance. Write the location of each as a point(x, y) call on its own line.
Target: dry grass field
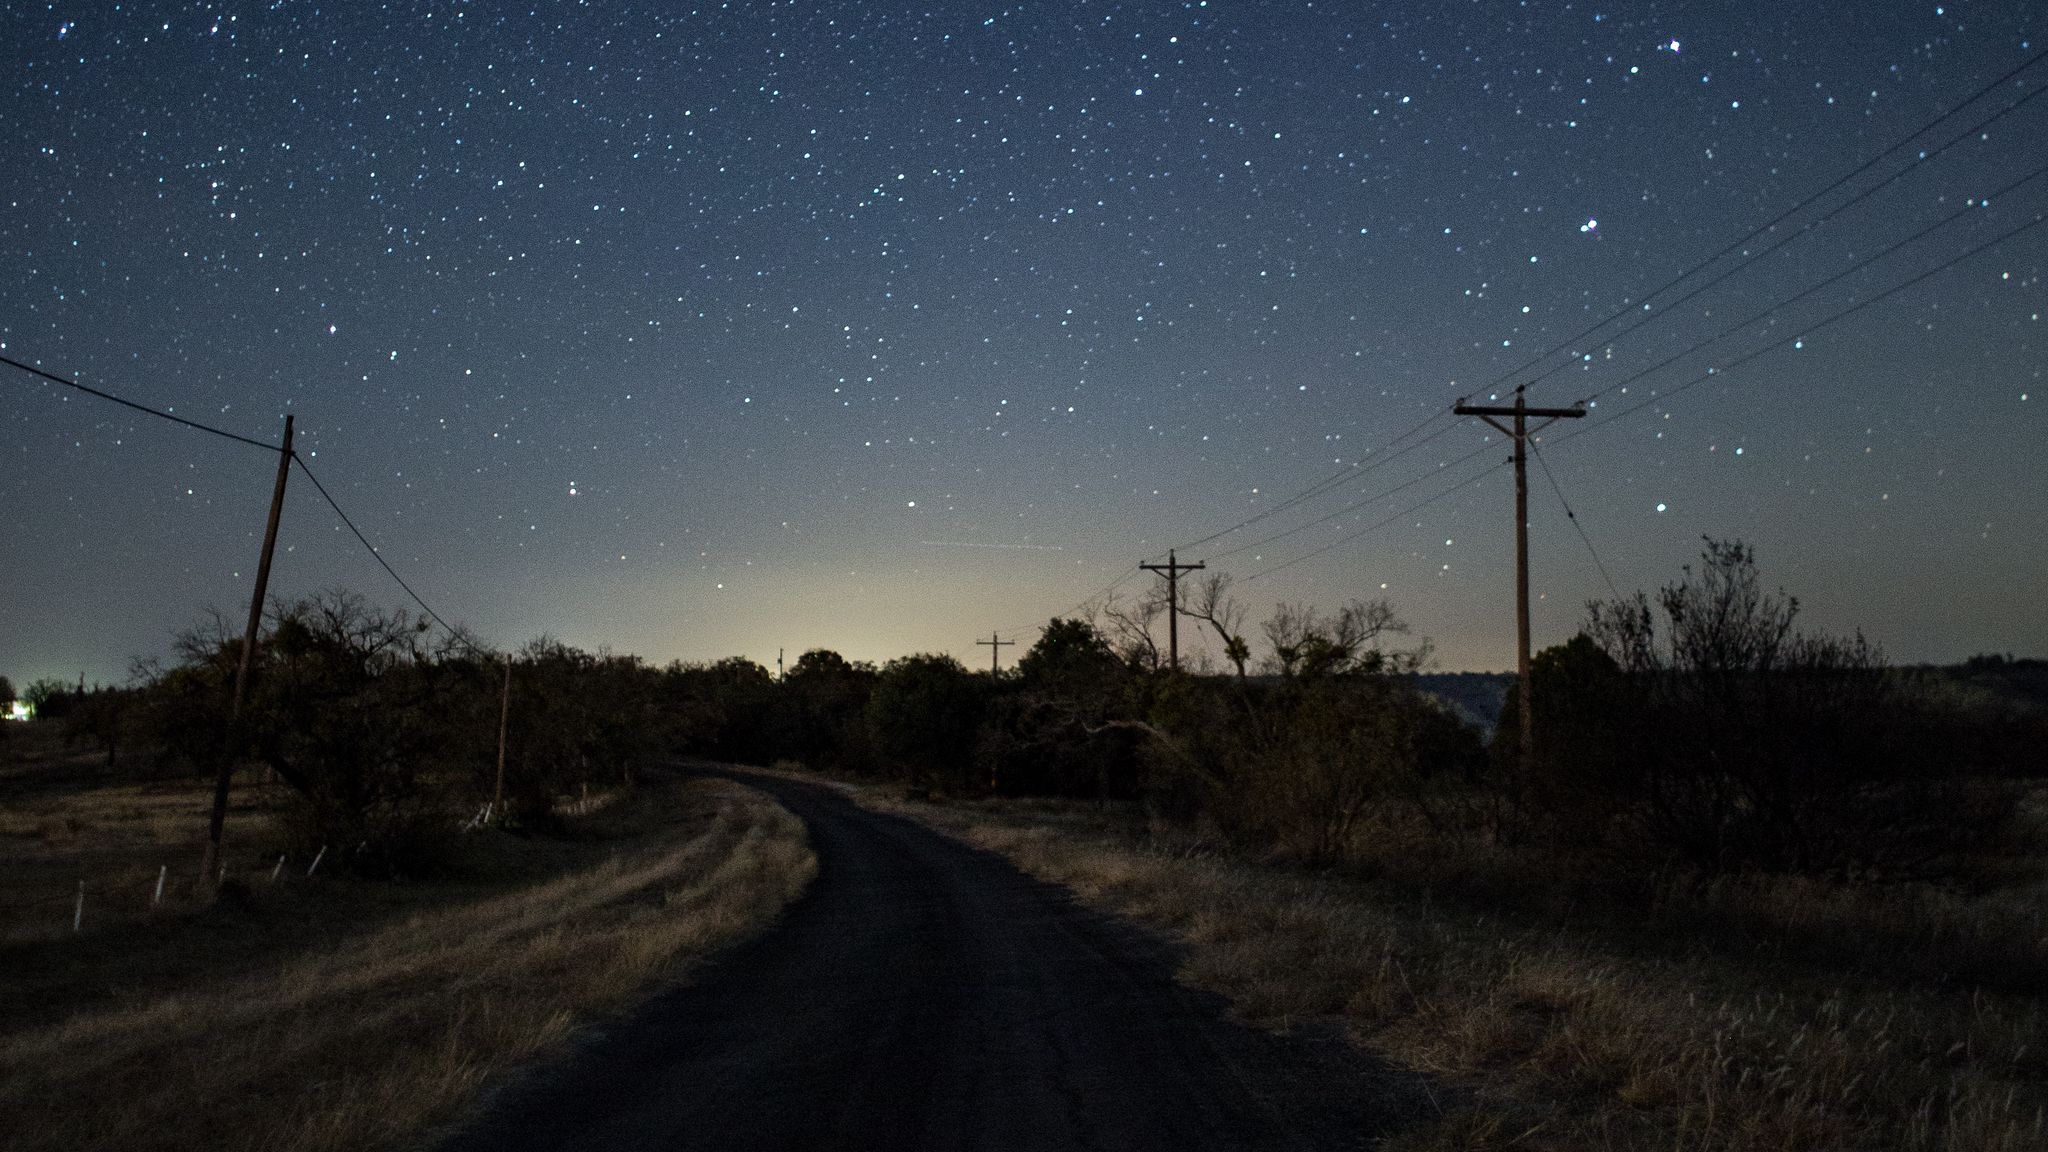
point(331, 1012)
point(1762, 1016)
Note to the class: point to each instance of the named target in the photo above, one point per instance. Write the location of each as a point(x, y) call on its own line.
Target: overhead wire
point(378, 556)
point(1078, 605)
point(1707, 375)
point(1355, 505)
point(1790, 236)
point(1808, 330)
point(1636, 306)
point(1724, 334)
point(297, 458)
point(1574, 518)
point(1375, 526)
point(1970, 208)
point(1781, 242)
point(67, 382)
point(1357, 467)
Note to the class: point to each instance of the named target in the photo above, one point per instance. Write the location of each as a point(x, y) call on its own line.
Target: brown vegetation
point(333, 1013)
point(1763, 1014)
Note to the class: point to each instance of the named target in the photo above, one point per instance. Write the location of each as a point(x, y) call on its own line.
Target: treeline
point(1699, 729)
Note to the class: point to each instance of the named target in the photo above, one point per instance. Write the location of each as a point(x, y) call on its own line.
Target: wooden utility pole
point(1172, 570)
point(504, 713)
point(996, 643)
point(209, 863)
point(1519, 432)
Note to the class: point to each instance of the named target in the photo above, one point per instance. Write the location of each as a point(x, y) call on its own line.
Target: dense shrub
point(387, 737)
point(924, 717)
point(1310, 766)
point(1709, 732)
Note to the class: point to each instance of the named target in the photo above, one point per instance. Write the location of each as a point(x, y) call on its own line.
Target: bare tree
point(1128, 627)
point(1213, 605)
point(214, 637)
point(1352, 642)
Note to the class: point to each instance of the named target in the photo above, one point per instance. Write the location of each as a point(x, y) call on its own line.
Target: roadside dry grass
point(348, 1014)
point(1722, 1020)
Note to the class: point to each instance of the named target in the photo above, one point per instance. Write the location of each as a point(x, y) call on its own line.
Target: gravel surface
point(926, 995)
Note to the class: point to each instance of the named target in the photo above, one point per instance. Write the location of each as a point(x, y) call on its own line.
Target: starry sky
point(691, 331)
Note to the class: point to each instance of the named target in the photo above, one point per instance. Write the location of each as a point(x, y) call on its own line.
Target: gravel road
point(926, 995)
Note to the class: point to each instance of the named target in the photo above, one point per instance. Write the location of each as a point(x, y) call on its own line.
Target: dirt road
point(927, 995)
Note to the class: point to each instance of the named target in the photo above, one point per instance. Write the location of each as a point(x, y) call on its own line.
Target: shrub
point(1711, 733)
point(924, 716)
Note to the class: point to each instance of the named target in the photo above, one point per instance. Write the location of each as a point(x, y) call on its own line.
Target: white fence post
point(316, 860)
point(78, 913)
point(157, 899)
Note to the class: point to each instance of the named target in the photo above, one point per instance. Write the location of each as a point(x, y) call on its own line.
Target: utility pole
point(1520, 413)
point(1172, 570)
point(504, 714)
point(209, 864)
point(778, 663)
point(996, 643)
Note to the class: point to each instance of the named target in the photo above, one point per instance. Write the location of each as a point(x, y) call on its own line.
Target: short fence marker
point(279, 868)
point(157, 899)
point(316, 860)
point(78, 913)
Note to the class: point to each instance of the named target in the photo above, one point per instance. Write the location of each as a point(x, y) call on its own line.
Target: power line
point(1357, 467)
point(1574, 518)
point(1807, 229)
point(67, 382)
point(1803, 204)
point(1356, 505)
point(1858, 266)
point(254, 443)
point(1120, 581)
point(1323, 485)
point(378, 556)
point(1774, 345)
point(1476, 477)
point(1375, 526)
point(1968, 208)
point(1348, 471)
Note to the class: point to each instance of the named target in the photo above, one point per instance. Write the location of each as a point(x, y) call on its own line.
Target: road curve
point(926, 995)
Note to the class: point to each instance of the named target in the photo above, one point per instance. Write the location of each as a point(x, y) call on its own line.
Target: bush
point(1308, 767)
point(924, 717)
point(1713, 734)
point(388, 740)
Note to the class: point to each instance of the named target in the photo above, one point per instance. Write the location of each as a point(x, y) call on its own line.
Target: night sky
point(697, 332)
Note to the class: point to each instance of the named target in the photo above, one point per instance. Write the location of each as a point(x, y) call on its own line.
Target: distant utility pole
point(504, 714)
point(1519, 433)
point(778, 663)
point(996, 643)
point(1172, 570)
point(209, 864)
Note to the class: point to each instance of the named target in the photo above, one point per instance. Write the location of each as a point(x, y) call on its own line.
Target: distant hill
point(1475, 696)
point(2022, 682)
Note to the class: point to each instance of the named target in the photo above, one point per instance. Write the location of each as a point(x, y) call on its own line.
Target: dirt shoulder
point(334, 1013)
